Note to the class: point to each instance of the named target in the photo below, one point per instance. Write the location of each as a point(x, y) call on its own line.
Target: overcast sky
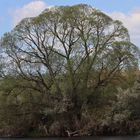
point(128, 11)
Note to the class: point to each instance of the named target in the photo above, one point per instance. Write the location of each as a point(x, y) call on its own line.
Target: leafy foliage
point(62, 64)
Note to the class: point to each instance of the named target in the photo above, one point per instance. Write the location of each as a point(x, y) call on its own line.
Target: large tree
point(68, 52)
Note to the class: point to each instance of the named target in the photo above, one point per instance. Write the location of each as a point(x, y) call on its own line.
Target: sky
point(128, 11)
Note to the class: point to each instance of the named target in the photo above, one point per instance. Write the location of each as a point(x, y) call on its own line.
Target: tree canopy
point(65, 58)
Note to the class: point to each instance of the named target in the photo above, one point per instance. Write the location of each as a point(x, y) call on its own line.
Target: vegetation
point(70, 71)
